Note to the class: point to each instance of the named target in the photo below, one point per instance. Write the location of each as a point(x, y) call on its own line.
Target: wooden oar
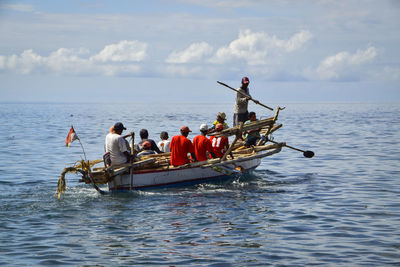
point(255, 101)
point(95, 186)
point(307, 153)
point(90, 177)
point(86, 170)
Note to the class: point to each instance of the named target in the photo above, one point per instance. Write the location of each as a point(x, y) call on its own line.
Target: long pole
point(255, 101)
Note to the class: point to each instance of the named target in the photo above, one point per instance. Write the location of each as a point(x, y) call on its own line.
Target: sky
point(176, 51)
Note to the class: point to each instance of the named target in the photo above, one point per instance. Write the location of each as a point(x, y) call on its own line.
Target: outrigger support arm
point(237, 137)
point(274, 119)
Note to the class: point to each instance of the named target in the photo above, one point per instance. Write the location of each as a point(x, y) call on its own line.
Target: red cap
point(219, 127)
point(146, 144)
point(245, 80)
point(185, 129)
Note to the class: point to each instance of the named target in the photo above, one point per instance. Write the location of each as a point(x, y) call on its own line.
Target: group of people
point(180, 146)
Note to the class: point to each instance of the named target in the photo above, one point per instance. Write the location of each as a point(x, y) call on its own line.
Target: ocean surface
point(340, 208)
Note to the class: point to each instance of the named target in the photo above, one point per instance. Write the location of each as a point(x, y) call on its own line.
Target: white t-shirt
point(116, 145)
point(163, 145)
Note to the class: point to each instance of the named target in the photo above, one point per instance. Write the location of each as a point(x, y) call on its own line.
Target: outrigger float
point(155, 171)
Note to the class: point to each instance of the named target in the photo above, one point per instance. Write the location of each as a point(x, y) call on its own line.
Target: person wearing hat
point(202, 144)
point(116, 145)
point(146, 149)
point(240, 109)
point(219, 144)
point(180, 147)
point(221, 117)
point(144, 135)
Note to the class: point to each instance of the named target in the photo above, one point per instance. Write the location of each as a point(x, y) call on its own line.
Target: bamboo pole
point(261, 155)
point(247, 127)
point(238, 135)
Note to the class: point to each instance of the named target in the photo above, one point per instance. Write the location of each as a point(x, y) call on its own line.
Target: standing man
point(202, 144)
point(115, 144)
point(240, 110)
point(180, 147)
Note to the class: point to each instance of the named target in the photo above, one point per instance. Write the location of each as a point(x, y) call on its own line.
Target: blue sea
point(339, 208)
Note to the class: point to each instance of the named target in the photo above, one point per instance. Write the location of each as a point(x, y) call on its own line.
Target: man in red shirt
point(219, 144)
point(180, 147)
point(202, 144)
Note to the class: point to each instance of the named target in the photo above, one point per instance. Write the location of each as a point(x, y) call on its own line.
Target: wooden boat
point(155, 170)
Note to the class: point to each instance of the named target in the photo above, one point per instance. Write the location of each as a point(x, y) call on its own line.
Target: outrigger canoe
point(154, 171)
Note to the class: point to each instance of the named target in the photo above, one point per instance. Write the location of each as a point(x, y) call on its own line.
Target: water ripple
point(339, 208)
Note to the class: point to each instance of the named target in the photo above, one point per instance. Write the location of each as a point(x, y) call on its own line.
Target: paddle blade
point(308, 154)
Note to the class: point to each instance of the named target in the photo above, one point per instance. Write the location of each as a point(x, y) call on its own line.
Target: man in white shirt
point(115, 144)
point(163, 145)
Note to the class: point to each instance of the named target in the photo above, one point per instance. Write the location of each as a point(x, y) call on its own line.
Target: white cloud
point(194, 53)
point(123, 51)
point(362, 56)
point(333, 67)
point(68, 61)
point(2, 62)
point(256, 48)
point(18, 7)
point(297, 41)
point(387, 74)
point(114, 59)
point(24, 63)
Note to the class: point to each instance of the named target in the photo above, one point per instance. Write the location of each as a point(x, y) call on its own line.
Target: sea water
point(340, 208)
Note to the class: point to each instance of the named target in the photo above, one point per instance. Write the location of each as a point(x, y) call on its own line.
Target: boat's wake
point(273, 178)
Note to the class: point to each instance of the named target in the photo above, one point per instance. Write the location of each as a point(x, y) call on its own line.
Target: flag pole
point(83, 150)
point(70, 139)
point(85, 163)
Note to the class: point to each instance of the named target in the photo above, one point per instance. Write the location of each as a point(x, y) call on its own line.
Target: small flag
point(71, 137)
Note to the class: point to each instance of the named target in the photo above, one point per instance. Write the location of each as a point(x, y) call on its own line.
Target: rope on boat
point(84, 167)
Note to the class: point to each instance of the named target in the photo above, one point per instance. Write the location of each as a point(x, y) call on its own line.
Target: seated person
point(181, 146)
point(202, 144)
point(163, 145)
point(116, 145)
point(221, 117)
point(254, 135)
point(146, 145)
point(144, 135)
point(220, 144)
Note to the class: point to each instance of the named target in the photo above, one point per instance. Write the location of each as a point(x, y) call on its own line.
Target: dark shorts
point(240, 117)
point(251, 141)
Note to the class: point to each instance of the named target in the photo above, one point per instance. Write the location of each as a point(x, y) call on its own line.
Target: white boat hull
point(177, 177)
